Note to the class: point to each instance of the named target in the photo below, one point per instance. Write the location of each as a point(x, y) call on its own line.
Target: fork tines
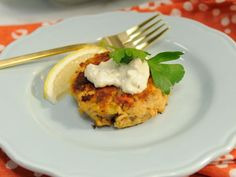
point(147, 32)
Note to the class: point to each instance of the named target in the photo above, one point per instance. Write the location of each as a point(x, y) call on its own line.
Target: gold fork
point(139, 37)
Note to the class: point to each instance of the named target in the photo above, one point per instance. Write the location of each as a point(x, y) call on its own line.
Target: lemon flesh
point(57, 82)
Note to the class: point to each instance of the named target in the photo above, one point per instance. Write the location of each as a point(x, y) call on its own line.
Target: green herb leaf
point(117, 55)
point(135, 53)
point(174, 72)
point(125, 55)
point(166, 75)
point(166, 56)
point(160, 80)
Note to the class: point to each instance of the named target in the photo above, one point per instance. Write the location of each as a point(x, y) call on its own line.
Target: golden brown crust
point(110, 105)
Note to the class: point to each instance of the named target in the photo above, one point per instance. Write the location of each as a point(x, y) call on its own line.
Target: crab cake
point(110, 106)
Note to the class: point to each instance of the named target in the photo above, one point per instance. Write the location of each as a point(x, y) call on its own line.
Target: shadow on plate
point(65, 112)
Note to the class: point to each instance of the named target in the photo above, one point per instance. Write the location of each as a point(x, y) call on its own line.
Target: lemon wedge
point(57, 82)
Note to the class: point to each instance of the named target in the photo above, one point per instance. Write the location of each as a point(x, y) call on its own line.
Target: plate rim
point(226, 146)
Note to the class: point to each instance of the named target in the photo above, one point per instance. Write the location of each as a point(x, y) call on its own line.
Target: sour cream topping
point(131, 78)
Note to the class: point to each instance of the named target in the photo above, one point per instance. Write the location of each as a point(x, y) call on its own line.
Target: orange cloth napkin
point(218, 14)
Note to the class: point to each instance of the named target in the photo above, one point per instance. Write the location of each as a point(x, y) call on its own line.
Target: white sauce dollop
point(131, 78)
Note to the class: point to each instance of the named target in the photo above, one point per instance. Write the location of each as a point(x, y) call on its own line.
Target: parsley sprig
point(164, 75)
point(125, 55)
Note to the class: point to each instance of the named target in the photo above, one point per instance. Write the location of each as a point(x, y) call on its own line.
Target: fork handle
point(14, 61)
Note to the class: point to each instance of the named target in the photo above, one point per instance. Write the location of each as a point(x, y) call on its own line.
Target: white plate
point(198, 125)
